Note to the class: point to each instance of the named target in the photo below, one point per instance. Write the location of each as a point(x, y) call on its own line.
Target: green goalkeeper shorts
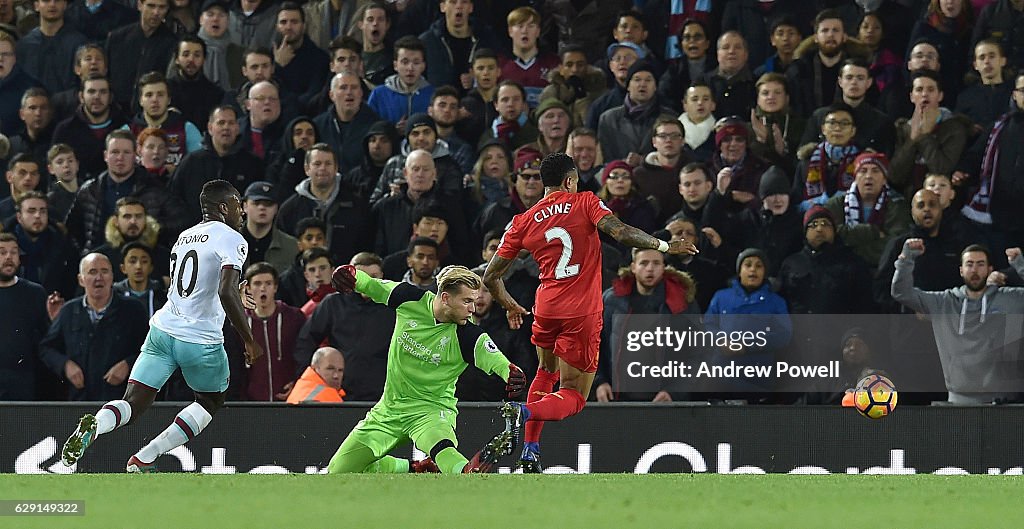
point(382, 430)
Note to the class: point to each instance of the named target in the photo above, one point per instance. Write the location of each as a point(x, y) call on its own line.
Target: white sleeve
point(232, 250)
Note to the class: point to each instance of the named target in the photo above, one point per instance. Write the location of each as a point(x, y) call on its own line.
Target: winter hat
point(640, 66)
point(527, 159)
point(548, 104)
point(877, 158)
point(818, 212)
point(751, 252)
point(417, 120)
point(640, 53)
point(774, 181)
point(732, 128)
point(611, 166)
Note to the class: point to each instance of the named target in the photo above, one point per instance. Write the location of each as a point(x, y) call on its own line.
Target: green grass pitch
point(498, 501)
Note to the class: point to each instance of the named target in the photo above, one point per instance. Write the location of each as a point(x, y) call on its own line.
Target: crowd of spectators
point(827, 156)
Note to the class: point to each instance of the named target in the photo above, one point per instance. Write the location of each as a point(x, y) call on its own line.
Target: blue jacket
point(390, 103)
point(728, 304)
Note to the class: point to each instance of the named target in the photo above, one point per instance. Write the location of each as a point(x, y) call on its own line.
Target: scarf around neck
point(216, 65)
point(697, 133)
point(852, 207)
point(829, 169)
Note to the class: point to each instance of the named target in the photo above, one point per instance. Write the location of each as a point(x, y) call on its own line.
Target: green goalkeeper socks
point(388, 465)
point(450, 461)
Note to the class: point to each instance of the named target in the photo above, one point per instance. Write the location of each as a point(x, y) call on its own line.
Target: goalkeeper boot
point(136, 466)
point(424, 466)
point(75, 446)
point(529, 460)
point(484, 460)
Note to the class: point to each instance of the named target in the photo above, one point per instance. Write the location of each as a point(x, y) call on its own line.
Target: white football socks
point(113, 414)
point(187, 424)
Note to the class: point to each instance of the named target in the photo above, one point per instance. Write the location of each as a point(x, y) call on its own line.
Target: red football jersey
point(561, 233)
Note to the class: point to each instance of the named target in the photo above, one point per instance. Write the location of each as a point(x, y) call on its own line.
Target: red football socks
point(543, 383)
point(556, 406)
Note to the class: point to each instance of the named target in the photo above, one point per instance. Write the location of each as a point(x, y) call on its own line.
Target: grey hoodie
point(978, 339)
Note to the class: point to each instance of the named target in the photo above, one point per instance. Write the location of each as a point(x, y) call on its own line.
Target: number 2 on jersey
point(563, 269)
point(185, 291)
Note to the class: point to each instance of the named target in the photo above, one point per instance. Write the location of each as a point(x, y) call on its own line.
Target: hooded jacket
point(392, 102)
point(978, 339)
point(287, 169)
point(149, 237)
point(676, 293)
point(364, 178)
point(277, 334)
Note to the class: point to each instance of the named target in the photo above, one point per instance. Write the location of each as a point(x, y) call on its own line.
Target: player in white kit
point(206, 264)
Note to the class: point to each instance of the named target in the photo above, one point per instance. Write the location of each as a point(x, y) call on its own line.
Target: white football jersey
point(193, 312)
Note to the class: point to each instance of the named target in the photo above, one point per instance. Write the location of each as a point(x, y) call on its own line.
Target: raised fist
point(344, 278)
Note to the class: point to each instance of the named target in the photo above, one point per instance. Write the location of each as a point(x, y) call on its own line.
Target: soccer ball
point(875, 396)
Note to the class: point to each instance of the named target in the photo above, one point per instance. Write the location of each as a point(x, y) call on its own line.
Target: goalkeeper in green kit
point(433, 342)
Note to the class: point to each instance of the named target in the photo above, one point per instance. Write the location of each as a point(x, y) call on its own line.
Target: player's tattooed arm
point(496, 269)
point(637, 238)
point(230, 299)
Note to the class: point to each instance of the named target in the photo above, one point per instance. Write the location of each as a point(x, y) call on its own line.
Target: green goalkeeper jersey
point(426, 357)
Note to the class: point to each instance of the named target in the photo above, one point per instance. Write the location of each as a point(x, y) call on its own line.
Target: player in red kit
point(561, 233)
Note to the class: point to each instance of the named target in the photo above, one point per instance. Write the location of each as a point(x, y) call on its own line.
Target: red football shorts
point(575, 340)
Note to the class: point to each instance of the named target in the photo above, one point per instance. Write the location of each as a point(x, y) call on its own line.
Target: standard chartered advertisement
point(603, 438)
point(691, 356)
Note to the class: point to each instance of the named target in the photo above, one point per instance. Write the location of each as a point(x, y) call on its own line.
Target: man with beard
point(47, 256)
point(874, 128)
point(86, 130)
point(422, 261)
point(814, 73)
point(128, 224)
point(301, 66)
point(24, 303)
point(46, 51)
point(89, 60)
point(191, 92)
point(266, 243)
point(978, 368)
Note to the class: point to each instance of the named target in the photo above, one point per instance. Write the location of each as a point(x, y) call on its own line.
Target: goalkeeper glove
point(344, 278)
point(516, 381)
